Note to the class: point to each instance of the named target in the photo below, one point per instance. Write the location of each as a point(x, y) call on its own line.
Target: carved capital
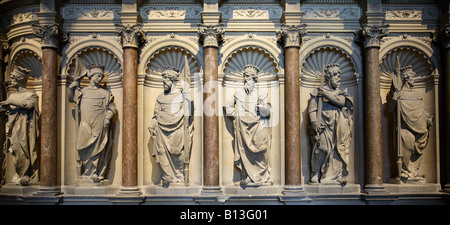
point(210, 34)
point(372, 34)
point(291, 34)
point(51, 35)
point(445, 36)
point(131, 35)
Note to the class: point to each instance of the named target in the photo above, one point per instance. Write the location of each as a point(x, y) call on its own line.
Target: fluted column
point(372, 35)
point(291, 36)
point(210, 35)
point(50, 35)
point(132, 36)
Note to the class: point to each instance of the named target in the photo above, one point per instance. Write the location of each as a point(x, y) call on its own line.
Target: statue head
point(19, 76)
point(333, 75)
point(408, 75)
point(250, 77)
point(96, 73)
point(170, 77)
point(250, 72)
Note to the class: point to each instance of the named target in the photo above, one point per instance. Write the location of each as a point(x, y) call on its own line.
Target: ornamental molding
point(22, 16)
point(425, 12)
point(333, 12)
point(251, 12)
point(171, 12)
point(91, 13)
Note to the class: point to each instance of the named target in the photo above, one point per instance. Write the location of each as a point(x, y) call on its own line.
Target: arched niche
point(312, 65)
point(421, 57)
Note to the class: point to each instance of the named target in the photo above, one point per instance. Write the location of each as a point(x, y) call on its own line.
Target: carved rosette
point(292, 34)
point(210, 34)
point(131, 35)
point(51, 35)
point(372, 34)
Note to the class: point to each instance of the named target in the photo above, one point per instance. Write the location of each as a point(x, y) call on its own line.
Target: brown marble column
point(132, 36)
point(292, 39)
point(446, 63)
point(50, 35)
point(372, 104)
point(3, 46)
point(210, 35)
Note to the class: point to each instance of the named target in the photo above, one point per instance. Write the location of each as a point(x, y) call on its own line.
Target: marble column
point(3, 46)
point(291, 36)
point(372, 35)
point(446, 62)
point(51, 35)
point(210, 35)
point(132, 36)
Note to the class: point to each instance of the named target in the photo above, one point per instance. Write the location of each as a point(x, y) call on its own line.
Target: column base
point(293, 193)
point(214, 190)
point(377, 189)
point(446, 188)
point(129, 192)
point(48, 191)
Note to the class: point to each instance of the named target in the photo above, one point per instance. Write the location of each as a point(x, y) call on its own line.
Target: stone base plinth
point(252, 190)
point(17, 189)
point(412, 188)
point(332, 189)
point(172, 189)
point(86, 190)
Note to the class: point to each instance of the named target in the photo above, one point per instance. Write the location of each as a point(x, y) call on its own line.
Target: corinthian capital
point(132, 35)
point(372, 34)
point(51, 35)
point(210, 34)
point(445, 36)
point(291, 34)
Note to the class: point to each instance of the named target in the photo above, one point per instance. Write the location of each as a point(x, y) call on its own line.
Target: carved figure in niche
point(330, 112)
point(94, 110)
point(172, 127)
point(22, 129)
point(413, 122)
point(250, 111)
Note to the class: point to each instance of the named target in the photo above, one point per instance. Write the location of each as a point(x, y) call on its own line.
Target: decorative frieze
point(210, 34)
point(171, 13)
point(253, 12)
point(425, 12)
point(90, 13)
point(334, 12)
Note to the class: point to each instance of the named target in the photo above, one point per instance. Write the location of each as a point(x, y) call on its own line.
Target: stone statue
point(330, 113)
point(22, 129)
point(250, 112)
point(172, 128)
point(94, 110)
point(415, 124)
